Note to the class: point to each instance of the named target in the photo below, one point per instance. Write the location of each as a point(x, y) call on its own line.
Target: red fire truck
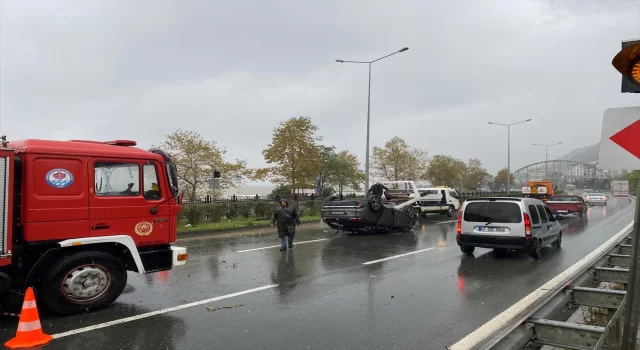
point(77, 215)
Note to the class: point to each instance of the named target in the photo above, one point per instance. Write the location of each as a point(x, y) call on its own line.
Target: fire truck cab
point(77, 215)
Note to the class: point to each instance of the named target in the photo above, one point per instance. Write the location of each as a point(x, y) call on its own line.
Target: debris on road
point(215, 308)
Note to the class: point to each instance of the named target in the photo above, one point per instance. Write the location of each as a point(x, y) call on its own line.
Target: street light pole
point(366, 170)
point(546, 156)
point(509, 149)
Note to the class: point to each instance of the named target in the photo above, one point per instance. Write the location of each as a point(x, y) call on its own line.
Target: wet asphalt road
point(325, 297)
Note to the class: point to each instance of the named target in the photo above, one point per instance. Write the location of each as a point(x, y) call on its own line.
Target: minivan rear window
point(498, 212)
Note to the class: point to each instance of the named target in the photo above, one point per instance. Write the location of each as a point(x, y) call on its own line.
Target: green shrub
point(214, 211)
point(194, 213)
point(245, 209)
point(231, 210)
point(264, 209)
point(309, 208)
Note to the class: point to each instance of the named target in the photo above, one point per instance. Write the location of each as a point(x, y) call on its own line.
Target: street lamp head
point(528, 120)
point(404, 49)
point(340, 61)
point(490, 123)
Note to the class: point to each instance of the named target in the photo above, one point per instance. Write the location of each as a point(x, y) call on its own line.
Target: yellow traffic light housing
point(627, 62)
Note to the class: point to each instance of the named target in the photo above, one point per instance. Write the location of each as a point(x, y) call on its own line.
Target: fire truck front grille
point(4, 190)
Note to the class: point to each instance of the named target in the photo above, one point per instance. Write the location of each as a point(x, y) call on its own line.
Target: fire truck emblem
point(59, 178)
point(143, 228)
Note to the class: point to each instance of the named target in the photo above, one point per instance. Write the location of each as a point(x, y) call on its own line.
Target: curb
point(213, 233)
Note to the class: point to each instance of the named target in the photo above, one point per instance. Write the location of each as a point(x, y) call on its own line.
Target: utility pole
point(509, 149)
point(369, 63)
point(546, 157)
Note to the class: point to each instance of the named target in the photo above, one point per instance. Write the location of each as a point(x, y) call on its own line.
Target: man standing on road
point(287, 218)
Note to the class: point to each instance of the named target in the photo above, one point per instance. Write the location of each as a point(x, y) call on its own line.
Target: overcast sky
point(138, 69)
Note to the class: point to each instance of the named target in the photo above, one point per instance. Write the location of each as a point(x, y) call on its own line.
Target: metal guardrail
point(542, 319)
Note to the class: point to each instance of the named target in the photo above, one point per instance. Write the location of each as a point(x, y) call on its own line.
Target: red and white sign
point(620, 141)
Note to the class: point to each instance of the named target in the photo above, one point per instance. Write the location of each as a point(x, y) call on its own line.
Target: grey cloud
point(233, 70)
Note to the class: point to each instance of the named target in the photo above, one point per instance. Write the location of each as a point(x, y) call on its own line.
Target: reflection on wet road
point(326, 296)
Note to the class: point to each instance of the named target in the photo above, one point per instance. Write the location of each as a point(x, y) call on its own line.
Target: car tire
point(467, 249)
point(535, 250)
point(451, 211)
point(413, 213)
point(104, 269)
point(375, 203)
point(558, 242)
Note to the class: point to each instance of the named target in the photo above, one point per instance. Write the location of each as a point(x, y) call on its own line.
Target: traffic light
point(627, 62)
point(214, 182)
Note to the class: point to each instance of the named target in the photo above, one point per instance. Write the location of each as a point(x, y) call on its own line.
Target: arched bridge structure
point(562, 172)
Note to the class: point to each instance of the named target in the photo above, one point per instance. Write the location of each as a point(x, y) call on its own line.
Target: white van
point(507, 223)
point(441, 200)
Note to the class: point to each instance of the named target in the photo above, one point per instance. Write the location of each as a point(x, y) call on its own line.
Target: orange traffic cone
point(29, 332)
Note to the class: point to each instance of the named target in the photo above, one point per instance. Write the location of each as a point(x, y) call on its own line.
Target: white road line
point(277, 246)
point(446, 222)
point(159, 312)
point(397, 256)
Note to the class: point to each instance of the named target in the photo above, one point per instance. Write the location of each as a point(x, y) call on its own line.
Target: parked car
point(595, 199)
point(565, 205)
point(507, 223)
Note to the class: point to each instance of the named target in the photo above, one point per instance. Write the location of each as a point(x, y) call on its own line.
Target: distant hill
point(588, 154)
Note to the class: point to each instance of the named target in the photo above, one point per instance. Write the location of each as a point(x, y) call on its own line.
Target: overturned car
point(389, 206)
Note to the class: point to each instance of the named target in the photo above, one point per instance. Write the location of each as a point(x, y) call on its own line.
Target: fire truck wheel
point(82, 282)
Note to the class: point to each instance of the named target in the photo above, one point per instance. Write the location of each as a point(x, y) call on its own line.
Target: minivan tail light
point(527, 225)
point(459, 229)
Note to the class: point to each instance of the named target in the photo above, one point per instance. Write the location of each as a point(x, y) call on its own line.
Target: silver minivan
point(507, 223)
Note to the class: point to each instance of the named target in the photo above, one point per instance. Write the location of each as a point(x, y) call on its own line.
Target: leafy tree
point(500, 180)
point(280, 191)
point(398, 161)
point(326, 157)
point(294, 154)
point(444, 170)
point(196, 159)
point(474, 174)
point(345, 171)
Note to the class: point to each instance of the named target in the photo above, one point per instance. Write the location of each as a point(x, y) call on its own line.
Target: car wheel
point(467, 249)
point(375, 203)
point(558, 242)
point(83, 281)
point(535, 250)
point(451, 211)
point(413, 213)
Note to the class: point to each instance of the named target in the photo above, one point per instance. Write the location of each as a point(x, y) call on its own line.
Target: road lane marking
point(397, 256)
point(278, 246)
point(446, 222)
point(159, 312)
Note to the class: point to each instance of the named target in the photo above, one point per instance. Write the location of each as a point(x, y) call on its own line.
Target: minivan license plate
point(491, 229)
point(338, 213)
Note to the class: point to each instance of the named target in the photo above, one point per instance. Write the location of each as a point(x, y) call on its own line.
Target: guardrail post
point(630, 330)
